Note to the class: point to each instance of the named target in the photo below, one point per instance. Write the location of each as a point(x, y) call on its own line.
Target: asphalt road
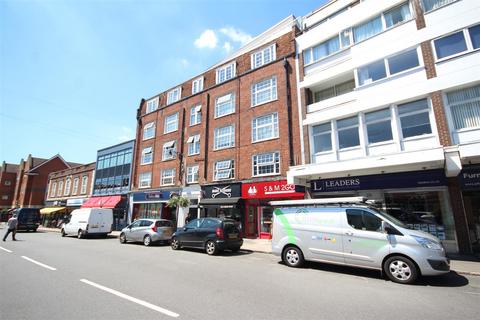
point(103, 279)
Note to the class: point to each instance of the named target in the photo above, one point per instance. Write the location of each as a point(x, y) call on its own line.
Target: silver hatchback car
point(147, 231)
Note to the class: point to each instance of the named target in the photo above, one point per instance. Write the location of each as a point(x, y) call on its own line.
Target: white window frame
point(192, 174)
point(169, 150)
point(174, 95)
point(388, 119)
point(170, 120)
point(144, 180)
point(148, 151)
point(196, 115)
point(197, 85)
point(261, 53)
point(193, 143)
point(322, 133)
point(146, 129)
point(53, 190)
point(68, 186)
point(5, 197)
point(83, 188)
point(60, 188)
point(7, 183)
point(468, 43)
point(76, 181)
point(273, 124)
point(440, 6)
point(271, 89)
point(152, 105)
point(450, 112)
point(275, 163)
point(221, 73)
point(221, 101)
point(165, 179)
point(230, 167)
point(358, 125)
point(217, 136)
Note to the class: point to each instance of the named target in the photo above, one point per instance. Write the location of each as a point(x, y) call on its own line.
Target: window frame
point(163, 177)
point(142, 177)
point(174, 95)
point(197, 83)
point(231, 168)
point(429, 112)
point(193, 145)
point(68, 186)
point(53, 189)
point(467, 39)
point(192, 173)
point(169, 150)
point(217, 107)
point(216, 137)
point(275, 164)
point(83, 187)
point(274, 124)
point(76, 182)
point(155, 102)
point(60, 188)
point(224, 68)
point(329, 133)
point(148, 126)
point(145, 152)
point(196, 114)
point(168, 122)
point(261, 52)
point(425, 11)
point(370, 122)
point(337, 132)
point(271, 89)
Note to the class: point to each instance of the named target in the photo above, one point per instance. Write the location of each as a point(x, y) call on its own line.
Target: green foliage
point(178, 201)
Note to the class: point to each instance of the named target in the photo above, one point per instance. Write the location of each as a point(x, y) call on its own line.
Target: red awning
point(102, 202)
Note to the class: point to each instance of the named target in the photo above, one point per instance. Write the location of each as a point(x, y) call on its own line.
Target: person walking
point(11, 227)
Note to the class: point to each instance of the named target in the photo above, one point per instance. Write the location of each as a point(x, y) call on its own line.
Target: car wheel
point(175, 244)
point(63, 233)
point(147, 240)
point(80, 235)
point(400, 269)
point(35, 230)
point(293, 257)
point(211, 248)
point(122, 238)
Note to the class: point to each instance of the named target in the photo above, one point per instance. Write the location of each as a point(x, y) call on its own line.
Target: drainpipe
point(286, 65)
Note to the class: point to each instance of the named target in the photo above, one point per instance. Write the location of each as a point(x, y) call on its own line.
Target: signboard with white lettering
point(222, 191)
point(272, 190)
point(470, 177)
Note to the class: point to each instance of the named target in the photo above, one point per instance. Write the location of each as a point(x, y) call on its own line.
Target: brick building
point(234, 125)
point(8, 176)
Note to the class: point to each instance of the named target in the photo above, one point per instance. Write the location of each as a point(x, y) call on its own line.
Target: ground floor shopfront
point(470, 188)
point(57, 212)
point(152, 204)
point(118, 204)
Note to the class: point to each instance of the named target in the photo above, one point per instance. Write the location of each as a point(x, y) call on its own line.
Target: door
point(130, 232)
point(365, 244)
point(189, 234)
point(265, 226)
point(251, 223)
point(208, 227)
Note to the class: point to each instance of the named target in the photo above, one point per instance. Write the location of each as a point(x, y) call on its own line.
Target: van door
point(365, 244)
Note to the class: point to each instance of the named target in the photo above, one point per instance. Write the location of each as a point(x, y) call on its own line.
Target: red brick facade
point(8, 177)
point(75, 176)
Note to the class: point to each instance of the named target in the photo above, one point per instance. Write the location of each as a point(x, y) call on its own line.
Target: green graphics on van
point(286, 225)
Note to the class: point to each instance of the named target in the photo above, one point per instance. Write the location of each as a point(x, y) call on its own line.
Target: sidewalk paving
point(469, 265)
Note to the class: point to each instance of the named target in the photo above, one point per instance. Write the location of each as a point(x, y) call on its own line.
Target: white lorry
point(89, 221)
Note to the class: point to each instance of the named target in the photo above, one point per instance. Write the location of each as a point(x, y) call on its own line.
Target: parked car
point(211, 234)
point(89, 221)
point(349, 232)
point(147, 231)
point(28, 218)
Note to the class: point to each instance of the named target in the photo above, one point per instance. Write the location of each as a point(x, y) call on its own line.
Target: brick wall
point(73, 173)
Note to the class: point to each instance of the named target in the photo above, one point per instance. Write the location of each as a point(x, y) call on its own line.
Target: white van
point(347, 231)
point(89, 221)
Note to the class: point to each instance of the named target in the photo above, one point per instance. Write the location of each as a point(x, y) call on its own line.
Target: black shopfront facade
point(469, 179)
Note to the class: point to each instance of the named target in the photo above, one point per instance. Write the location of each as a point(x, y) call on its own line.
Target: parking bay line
point(9, 251)
point(39, 263)
point(127, 297)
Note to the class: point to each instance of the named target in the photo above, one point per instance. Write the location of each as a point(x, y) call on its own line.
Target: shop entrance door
point(471, 202)
point(265, 226)
point(251, 222)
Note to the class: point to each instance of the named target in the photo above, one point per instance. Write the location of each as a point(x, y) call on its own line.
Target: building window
point(197, 85)
point(322, 137)
point(75, 186)
point(266, 164)
point(265, 127)
point(379, 126)
point(169, 150)
point(464, 106)
point(53, 190)
point(193, 145)
point(225, 105)
point(171, 123)
point(7, 183)
point(147, 156)
point(5, 197)
point(168, 177)
point(263, 56)
point(174, 95)
point(83, 189)
point(450, 45)
point(195, 115)
point(474, 33)
point(388, 67)
point(264, 91)
point(224, 137)
point(145, 180)
point(327, 48)
point(224, 170)
point(148, 131)
point(336, 90)
point(68, 186)
point(347, 130)
point(414, 118)
point(429, 5)
point(192, 174)
point(152, 105)
point(60, 188)
point(225, 73)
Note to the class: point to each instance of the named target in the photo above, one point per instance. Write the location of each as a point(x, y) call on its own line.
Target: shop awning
point(50, 210)
point(102, 202)
point(218, 202)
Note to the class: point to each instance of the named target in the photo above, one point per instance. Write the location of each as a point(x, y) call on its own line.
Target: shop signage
point(75, 202)
point(412, 179)
point(153, 195)
point(470, 178)
point(272, 189)
point(222, 191)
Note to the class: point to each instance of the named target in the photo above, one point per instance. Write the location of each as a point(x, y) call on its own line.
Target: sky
point(73, 72)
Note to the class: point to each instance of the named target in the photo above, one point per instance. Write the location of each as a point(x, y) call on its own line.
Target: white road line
point(473, 292)
point(9, 251)
point(39, 263)
point(127, 297)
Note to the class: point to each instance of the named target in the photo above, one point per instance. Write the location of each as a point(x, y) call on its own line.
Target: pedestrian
point(11, 227)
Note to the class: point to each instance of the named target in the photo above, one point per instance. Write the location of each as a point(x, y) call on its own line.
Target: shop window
point(379, 127)
point(414, 118)
point(348, 135)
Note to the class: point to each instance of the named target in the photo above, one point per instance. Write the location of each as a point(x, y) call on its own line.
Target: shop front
point(192, 193)
point(53, 215)
point(470, 185)
point(223, 201)
point(118, 204)
point(420, 199)
point(258, 213)
point(152, 205)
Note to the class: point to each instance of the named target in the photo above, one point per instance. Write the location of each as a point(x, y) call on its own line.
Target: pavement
point(462, 264)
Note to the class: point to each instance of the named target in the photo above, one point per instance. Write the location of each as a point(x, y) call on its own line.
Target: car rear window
point(229, 225)
point(164, 223)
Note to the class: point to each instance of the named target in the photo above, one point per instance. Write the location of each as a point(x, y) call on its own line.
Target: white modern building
point(389, 105)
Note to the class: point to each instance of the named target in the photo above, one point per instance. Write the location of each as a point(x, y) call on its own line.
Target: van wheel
point(80, 234)
point(400, 269)
point(122, 238)
point(147, 240)
point(63, 232)
point(175, 244)
point(293, 257)
point(211, 248)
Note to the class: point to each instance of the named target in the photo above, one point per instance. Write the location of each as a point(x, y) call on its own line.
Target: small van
point(89, 221)
point(28, 218)
point(347, 231)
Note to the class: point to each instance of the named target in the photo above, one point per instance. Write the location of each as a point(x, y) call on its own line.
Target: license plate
point(232, 236)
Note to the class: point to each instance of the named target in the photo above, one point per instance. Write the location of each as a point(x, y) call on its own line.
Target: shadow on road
point(226, 253)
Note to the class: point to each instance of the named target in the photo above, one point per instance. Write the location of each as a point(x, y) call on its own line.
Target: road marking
point(127, 297)
point(9, 251)
point(473, 292)
point(39, 263)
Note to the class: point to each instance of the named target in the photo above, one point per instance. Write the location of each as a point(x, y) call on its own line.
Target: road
point(44, 276)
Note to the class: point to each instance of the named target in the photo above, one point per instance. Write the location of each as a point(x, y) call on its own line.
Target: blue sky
point(72, 73)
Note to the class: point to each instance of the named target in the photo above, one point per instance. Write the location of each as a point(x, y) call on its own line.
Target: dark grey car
point(147, 231)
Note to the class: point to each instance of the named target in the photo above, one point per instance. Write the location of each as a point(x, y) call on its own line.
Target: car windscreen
point(164, 223)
